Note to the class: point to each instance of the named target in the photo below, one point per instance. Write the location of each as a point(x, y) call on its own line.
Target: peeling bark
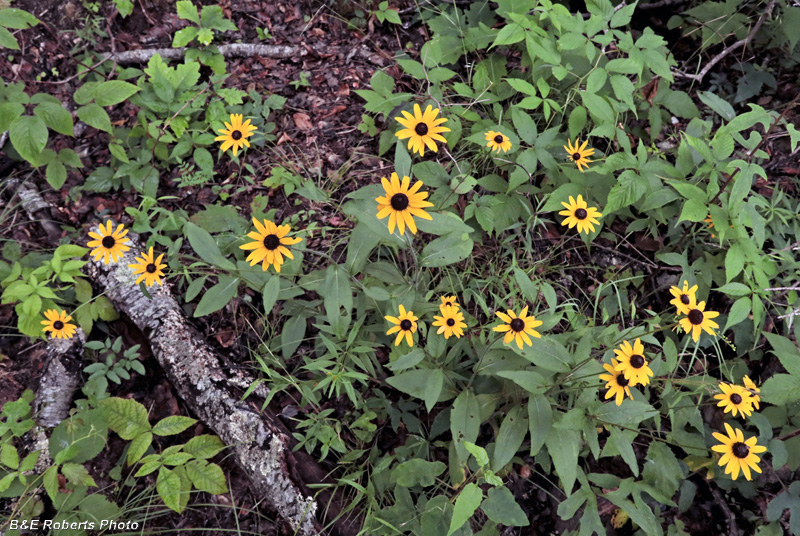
point(259, 440)
point(245, 50)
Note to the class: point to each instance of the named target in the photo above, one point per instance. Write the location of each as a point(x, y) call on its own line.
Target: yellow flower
point(753, 390)
point(402, 203)
point(269, 245)
point(580, 214)
point(451, 322)
point(497, 141)
point(151, 270)
point(632, 362)
point(735, 399)
point(422, 129)
point(698, 320)
point(449, 300)
point(684, 299)
point(579, 155)
point(518, 328)
point(58, 323)
point(405, 325)
point(235, 134)
point(616, 383)
point(738, 453)
point(109, 244)
point(710, 223)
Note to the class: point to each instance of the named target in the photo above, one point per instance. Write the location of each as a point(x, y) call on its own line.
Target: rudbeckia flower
point(270, 244)
point(422, 129)
point(151, 269)
point(698, 320)
point(632, 362)
point(753, 390)
point(402, 203)
point(580, 214)
point(518, 328)
point(497, 141)
point(738, 454)
point(235, 134)
point(451, 322)
point(451, 301)
point(735, 399)
point(109, 244)
point(405, 325)
point(58, 324)
point(684, 299)
point(616, 383)
point(579, 155)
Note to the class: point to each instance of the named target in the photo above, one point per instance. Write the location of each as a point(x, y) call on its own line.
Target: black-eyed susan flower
point(753, 390)
point(632, 363)
point(684, 298)
point(404, 325)
point(109, 243)
point(451, 322)
point(697, 320)
point(579, 154)
point(738, 453)
point(422, 129)
point(235, 134)
point(270, 244)
point(58, 324)
point(580, 214)
point(735, 399)
point(518, 328)
point(450, 301)
point(497, 141)
point(150, 268)
point(402, 203)
point(616, 383)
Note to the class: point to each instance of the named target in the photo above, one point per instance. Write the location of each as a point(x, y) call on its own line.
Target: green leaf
point(205, 36)
point(446, 250)
point(55, 116)
point(739, 311)
point(126, 417)
point(786, 351)
point(337, 293)
point(465, 422)
point(717, 104)
point(17, 19)
point(693, 210)
point(168, 485)
point(563, 446)
point(217, 296)
point(417, 472)
point(478, 452)
point(270, 293)
point(28, 135)
point(172, 425)
point(184, 37)
point(294, 331)
point(77, 475)
point(113, 92)
point(94, 116)
point(622, 441)
point(50, 481)
point(188, 11)
point(662, 470)
point(9, 456)
point(206, 247)
point(138, 447)
point(501, 507)
point(540, 420)
point(467, 502)
point(433, 388)
point(204, 446)
point(7, 39)
point(509, 438)
point(207, 477)
point(9, 111)
point(545, 352)
point(734, 262)
point(56, 174)
point(629, 189)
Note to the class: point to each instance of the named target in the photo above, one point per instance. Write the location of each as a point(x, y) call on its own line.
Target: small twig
point(727, 50)
point(733, 530)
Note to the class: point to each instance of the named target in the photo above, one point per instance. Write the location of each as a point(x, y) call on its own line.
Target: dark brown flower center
point(451, 322)
point(580, 213)
point(58, 324)
point(236, 135)
point(421, 129)
point(449, 303)
point(405, 324)
point(736, 398)
point(271, 241)
point(108, 242)
point(576, 156)
point(696, 317)
point(740, 450)
point(517, 325)
point(498, 138)
point(685, 299)
point(151, 268)
point(637, 361)
point(399, 201)
point(621, 381)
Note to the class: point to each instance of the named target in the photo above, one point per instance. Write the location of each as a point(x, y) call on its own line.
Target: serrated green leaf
point(172, 425)
point(28, 135)
point(126, 417)
point(168, 485)
point(207, 477)
point(55, 116)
